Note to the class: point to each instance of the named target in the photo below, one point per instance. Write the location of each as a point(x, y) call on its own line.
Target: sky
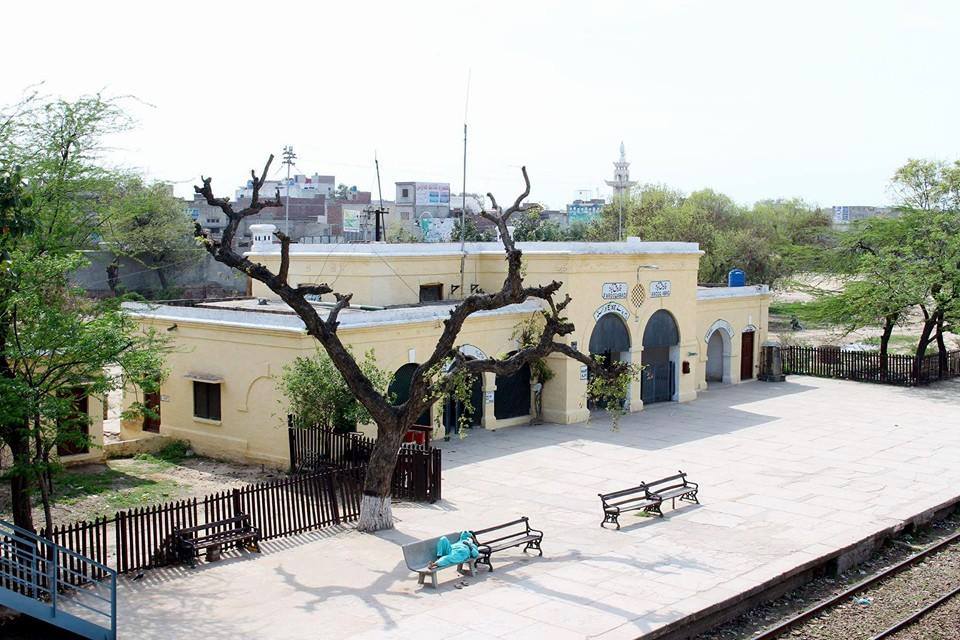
point(816, 100)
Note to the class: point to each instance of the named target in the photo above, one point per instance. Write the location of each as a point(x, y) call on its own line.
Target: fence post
point(121, 542)
point(237, 509)
point(334, 499)
point(293, 444)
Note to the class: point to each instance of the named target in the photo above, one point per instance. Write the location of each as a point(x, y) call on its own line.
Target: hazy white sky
point(821, 100)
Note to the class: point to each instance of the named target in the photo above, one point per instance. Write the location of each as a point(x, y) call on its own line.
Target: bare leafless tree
point(431, 379)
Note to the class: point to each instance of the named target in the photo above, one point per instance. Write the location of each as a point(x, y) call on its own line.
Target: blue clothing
point(456, 553)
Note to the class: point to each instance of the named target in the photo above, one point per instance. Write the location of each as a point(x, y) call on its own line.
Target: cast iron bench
point(636, 498)
point(237, 531)
point(418, 555)
point(673, 487)
point(511, 534)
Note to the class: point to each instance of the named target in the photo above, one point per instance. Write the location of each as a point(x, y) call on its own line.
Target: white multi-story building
point(300, 186)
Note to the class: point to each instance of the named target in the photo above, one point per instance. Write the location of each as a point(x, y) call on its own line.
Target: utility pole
point(620, 219)
point(288, 157)
point(380, 222)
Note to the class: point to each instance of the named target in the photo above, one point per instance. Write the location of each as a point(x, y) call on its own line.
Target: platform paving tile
point(789, 474)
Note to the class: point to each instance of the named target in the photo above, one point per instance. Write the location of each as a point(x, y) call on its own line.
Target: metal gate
point(657, 383)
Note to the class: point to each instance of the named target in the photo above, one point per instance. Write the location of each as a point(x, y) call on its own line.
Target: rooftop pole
point(463, 204)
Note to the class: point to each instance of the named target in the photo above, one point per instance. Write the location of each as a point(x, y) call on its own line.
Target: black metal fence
point(314, 448)
point(142, 538)
point(867, 366)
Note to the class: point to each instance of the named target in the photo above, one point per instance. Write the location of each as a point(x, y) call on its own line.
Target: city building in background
point(844, 215)
point(584, 210)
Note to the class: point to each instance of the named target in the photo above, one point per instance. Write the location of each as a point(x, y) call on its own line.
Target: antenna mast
point(380, 223)
point(463, 204)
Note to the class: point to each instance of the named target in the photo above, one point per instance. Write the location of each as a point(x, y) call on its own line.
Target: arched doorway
point(453, 409)
point(400, 389)
point(512, 398)
point(611, 339)
point(661, 340)
point(719, 338)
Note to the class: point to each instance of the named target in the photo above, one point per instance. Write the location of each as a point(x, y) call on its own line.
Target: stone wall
point(203, 278)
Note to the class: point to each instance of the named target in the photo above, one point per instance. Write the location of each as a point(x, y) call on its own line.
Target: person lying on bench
point(456, 553)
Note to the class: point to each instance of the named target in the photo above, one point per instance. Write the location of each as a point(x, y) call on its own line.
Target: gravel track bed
point(873, 610)
point(941, 624)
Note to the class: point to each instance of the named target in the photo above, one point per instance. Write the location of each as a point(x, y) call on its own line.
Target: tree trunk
point(163, 280)
point(928, 326)
point(113, 275)
point(375, 510)
point(942, 356)
point(18, 440)
point(45, 479)
point(884, 346)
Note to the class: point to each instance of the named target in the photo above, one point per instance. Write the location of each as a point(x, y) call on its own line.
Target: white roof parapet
point(290, 322)
point(632, 246)
point(714, 293)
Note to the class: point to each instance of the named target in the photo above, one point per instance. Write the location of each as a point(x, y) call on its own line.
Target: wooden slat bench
point(674, 487)
point(636, 498)
point(419, 554)
point(504, 536)
point(190, 541)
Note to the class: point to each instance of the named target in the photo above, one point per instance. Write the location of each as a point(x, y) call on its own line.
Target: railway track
point(844, 596)
point(918, 615)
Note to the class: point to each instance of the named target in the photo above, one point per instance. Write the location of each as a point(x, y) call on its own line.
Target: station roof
point(277, 315)
point(632, 246)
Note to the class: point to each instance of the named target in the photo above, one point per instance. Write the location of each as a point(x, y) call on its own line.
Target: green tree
point(148, 224)
point(317, 394)
point(471, 231)
point(56, 193)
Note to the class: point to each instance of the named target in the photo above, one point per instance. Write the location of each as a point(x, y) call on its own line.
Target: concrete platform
point(790, 474)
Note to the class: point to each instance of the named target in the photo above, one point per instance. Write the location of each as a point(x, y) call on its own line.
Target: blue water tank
point(736, 278)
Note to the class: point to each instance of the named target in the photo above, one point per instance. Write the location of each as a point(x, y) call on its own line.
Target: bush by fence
point(143, 537)
point(867, 366)
point(314, 448)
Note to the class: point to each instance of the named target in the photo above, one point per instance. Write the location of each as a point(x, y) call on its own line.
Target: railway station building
point(632, 301)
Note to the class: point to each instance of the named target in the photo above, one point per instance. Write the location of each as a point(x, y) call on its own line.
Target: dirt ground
point(87, 491)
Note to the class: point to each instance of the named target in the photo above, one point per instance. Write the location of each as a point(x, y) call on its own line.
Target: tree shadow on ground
point(658, 426)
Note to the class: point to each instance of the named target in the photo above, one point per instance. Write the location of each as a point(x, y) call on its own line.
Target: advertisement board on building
point(437, 193)
point(351, 220)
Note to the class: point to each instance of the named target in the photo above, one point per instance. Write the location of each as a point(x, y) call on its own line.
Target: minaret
point(621, 175)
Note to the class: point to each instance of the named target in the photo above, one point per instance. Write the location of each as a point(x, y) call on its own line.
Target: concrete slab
point(789, 473)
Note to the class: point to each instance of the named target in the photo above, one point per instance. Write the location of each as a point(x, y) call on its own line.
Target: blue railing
point(52, 583)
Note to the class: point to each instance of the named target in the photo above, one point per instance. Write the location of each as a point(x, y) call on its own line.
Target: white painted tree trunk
point(375, 514)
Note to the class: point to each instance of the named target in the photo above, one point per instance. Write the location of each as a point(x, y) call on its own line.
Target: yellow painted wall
point(732, 315)
point(253, 428)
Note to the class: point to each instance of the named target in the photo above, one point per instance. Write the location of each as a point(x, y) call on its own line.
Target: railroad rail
point(823, 605)
point(915, 617)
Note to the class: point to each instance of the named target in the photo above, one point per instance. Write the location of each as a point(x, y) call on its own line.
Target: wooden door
point(746, 356)
point(152, 422)
point(78, 425)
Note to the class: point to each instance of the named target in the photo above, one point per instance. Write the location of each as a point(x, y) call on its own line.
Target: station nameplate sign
point(659, 288)
point(614, 290)
point(611, 307)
